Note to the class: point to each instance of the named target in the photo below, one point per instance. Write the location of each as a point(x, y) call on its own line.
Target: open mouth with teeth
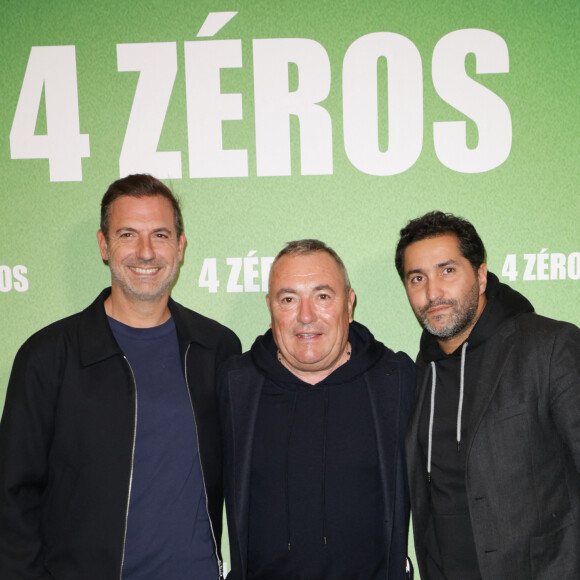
point(144, 270)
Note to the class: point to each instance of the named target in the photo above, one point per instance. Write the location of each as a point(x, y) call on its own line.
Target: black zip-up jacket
point(67, 439)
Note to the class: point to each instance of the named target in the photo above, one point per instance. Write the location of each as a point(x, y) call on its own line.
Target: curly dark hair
point(437, 223)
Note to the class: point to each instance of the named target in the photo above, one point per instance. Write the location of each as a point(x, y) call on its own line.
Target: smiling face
point(310, 311)
point(445, 293)
point(142, 248)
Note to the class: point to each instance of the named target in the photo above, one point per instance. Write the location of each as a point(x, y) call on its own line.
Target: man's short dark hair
point(138, 185)
point(437, 223)
point(310, 246)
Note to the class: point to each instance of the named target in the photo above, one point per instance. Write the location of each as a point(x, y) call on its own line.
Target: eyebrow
point(154, 231)
point(446, 263)
point(323, 287)
point(285, 291)
point(435, 267)
point(316, 289)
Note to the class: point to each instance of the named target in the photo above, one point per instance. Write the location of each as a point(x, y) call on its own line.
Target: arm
point(565, 389)
point(403, 567)
point(25, 434)
point(224, 402)
point(229, 346)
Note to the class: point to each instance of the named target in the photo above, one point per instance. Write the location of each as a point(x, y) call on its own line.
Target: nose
point(433, 289)
point(305, 312)
point(145, 248)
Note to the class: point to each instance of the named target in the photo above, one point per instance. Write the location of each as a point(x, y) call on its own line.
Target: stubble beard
point(148, 293)
point(462, 315)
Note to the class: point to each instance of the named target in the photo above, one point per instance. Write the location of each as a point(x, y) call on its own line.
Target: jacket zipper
point(132, 464)
point(219, 562)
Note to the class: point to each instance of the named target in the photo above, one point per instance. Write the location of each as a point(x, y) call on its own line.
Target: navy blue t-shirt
point(168, 531)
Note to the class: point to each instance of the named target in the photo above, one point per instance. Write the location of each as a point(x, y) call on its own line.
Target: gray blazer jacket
point(523, 454)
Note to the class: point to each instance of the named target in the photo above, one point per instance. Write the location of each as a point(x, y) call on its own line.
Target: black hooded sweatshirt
point(449, 542)
point(316, 506)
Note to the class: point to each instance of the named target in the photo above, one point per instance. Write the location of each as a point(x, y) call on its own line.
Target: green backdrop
point(275, 121)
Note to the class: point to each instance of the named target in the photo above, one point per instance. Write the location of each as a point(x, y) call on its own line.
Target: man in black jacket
point(493, 445)
point(313, 419)
point(110, 450)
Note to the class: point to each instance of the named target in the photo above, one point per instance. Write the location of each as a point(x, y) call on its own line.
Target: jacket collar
point(95, 337)
point(497, 353)
point(189, 330)
point(97, 342)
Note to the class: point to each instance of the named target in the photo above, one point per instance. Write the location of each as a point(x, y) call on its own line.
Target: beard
point(143, 291)
point(462, 315)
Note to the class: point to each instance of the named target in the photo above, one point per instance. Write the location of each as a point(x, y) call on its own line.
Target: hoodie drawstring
point(432, 409)
point(431, 413)
point(461, 389)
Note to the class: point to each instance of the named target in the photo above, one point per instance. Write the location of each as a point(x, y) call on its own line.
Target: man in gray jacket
point(110, 449)
point(493, 444)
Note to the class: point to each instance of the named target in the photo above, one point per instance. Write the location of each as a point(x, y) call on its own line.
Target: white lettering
point(530, 263)
point(557, 266)
point(404, 108)
point(5, 279)
point(236, 269)
point(509, 269)
point(251, 272)
point(486, 109)
point(208, 107)
point(266, 265)
point(275, 103)
point(54, 69)
point(574, 266)
point(214, 22)
point(157, 63)
point(20, 280)
point(542, 268)
point(208, 275)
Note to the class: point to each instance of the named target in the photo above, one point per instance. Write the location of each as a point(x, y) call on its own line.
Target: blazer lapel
point(497, 351)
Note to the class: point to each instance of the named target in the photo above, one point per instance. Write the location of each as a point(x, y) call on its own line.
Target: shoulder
point(236, 375)
point(392, 383)
point(533, 321)
point(396, 367)
point(52, 337)
point(383, 355)
point(196, 327)
point(536, 329)
point(40, 361)
point(398, 361)
point(239, 365)
point(192, 319)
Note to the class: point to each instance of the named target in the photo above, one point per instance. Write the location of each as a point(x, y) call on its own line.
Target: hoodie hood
point(503, 303)
point(365, 353)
